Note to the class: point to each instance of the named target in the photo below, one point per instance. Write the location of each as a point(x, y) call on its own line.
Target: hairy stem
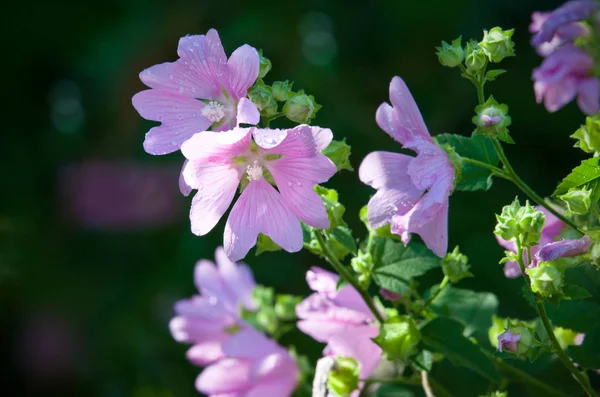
point(564, 358)
point(346, 275)
point(495, 170)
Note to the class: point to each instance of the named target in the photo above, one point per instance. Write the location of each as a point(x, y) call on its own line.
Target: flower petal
point(237, 278)
point(217, 147)
point(322, 137)
point(184, 188)
point(357, 343)
point(177, 78)
point(260, 209)
point(225, 376)
point(322, 281)
point(216, 184)
point(435, 232)
point(280, 387)
point(243, 68)
point(204, 353)
point(296, 142)
point(250, 344)
point(588, 97)
point(247, 113)
point(181, 118)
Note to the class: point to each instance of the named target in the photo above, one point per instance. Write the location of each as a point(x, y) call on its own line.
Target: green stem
point(346, 275)
point(564, 358)
point(443, 284)
point(510, 172)
point(495, 170)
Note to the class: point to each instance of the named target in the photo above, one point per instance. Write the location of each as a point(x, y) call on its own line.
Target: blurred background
point(95, 243)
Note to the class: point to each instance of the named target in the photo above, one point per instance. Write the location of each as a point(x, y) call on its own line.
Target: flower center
point(254, 171)
point(213, 111)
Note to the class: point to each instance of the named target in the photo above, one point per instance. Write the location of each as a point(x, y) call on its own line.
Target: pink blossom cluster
point(240, 361)
point(567, 70)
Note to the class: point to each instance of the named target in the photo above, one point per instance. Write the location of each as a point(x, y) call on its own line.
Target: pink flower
point(508, 341)
point(553, 226)
point(563, 248)
point(559, 19)
point(254, 366)
point(412, 192)
point(208, 320)
point(341, 319)
point(563, 34)
point(289, 160)
point(201, 89)
point(565, 74)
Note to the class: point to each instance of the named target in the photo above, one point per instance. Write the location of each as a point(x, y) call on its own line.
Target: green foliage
point(588, 354)
point(588, 135)
point(444, 335)
point(586, 175)
point(335, 210)
point(492, 74)
point(474, 310)
point(339, 153)
point(343, 235)
point(396, 265)
point(393, 391)
point(586, 276)
point(265, 244)
point(478, 148)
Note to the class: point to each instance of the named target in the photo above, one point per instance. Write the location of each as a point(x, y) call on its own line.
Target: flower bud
point(335, 210)
point(546, 279)
point(522, 223)
point(262, 96)
point(398, 337)
point(285, 306)
point(265, 65)
point(497, 44)
point(455, 266)
point(282, 90)
point(389, 295)
point(301, 108)
point(588, 135)
point(343, 377)
point(565, 337)
point(475, 57)
point(578, 201)
point(516, 340)
point(492, 120)
point(451, 55)
point(531, 223)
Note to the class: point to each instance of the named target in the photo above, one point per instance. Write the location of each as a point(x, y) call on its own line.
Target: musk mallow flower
point(341, 319)
point(253, 366)
point(507, 341)
point(199, 90)
point(412, 192)
point(565, 74)
point(566, 33)
point(209, 319)
point(563, 249)
point(277, 169)
point(561, 21)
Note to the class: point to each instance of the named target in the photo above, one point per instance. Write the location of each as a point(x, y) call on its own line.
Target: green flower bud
point(455, 266)
point(282, 90)
point(517, 339)
point(546, 279)
point(492, 120)
point(285, 306)
point(565, 337)
point(475, 59)
point(398, 337)
point(339, 153)
point(588, 135)
point(301, 108)
point(263, 296)
point(267, 320)
point(451, 55)
point(522, 223)
point(262, 96)
point(531, 223)
point(335, 210)
point(497, 44)
point(578, 201)
point(265, 65)
point(343, 377)
point(363, 265)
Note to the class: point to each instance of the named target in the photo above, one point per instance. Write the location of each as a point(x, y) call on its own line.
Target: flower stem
point(495, 170)
point(443, 284)
point(512, 175)
point(564, 358)
point(346, 275)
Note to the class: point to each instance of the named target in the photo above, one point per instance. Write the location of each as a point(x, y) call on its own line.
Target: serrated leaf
point(445, 336)
point(477, 148)
point(472, 309)
point(587, 175)
point(492, 74)
point(396, 265)
point(588, 353)
point(343, 235)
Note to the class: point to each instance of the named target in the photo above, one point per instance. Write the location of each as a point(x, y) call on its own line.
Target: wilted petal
point(564, 248)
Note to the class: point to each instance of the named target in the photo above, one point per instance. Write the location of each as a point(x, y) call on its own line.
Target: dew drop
point(200, 187)
point(290, 184)
point(299, 183)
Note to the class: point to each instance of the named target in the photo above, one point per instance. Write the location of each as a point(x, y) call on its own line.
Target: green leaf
point(571, 291)
point(586, 175)
point(339, 153)
point(396, 265)
point(472, 309)
point(265, 244)
point(445, 336)
point(579, 315)
point(586, 276)
point(492, 74)
point(478, 148)
point(393, 391)
point(343, 235)
point(588, 354)
point(424, 360)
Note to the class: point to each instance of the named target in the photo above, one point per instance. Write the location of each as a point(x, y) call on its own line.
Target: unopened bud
point(265, 65)
point(301, 108)
point(517, 339)
point(497, 44)
point(262, 96)
point(475, 57)
point(546, 279)
point(343, 377)
point(578, 201)
point(521, 223)
point(281, 90)
point(492, 120)
point(398, 337)
point(451, 55)
point(455, 266)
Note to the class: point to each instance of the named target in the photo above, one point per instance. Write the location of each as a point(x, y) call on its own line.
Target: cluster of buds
point(456, 266)
point(398, 337)
point(522, 224)
point(271, 310)
point(578, 201)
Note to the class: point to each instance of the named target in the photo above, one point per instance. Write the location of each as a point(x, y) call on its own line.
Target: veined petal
point(178, 78)
point(184, 188)
point(280, 387)
point(322, 137)
point(296, 142)
point(260, 209)
point(243, 68)
point(216, 185)
point(180, 116)
point(323, 330)
point(225, 376)
point(435, 231)
point(217, 147)
point(237, 278)
point(247, 113)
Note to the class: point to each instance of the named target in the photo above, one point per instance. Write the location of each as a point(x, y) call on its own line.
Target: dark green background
point(100, 301)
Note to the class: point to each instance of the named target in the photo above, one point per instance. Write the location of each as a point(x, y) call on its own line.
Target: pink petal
point(207, 62)
point(508, 245)
point(243, 68)
point(588, 97)
point(435, 232)
point(178, 78)
point(553, 226)
point(260, 209)
point(180, 116)
point(322, 281)
point(247, 113)
point(210, 284)
point(295, 178)
point(250, 344)
point(184, 188)
point(357, 343)
point(322, 137)
point(194, 330)
point(276, 388)
point(431, 167)
point(218, 147)
point(323, 331)
point(205, 353)
point(561, 93)
point(512, 269)
point(225, 376)
point(216, 185)
point(237, 278)
point(296, 142)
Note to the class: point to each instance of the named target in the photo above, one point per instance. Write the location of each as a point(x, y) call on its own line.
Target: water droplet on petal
point(290, 184)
